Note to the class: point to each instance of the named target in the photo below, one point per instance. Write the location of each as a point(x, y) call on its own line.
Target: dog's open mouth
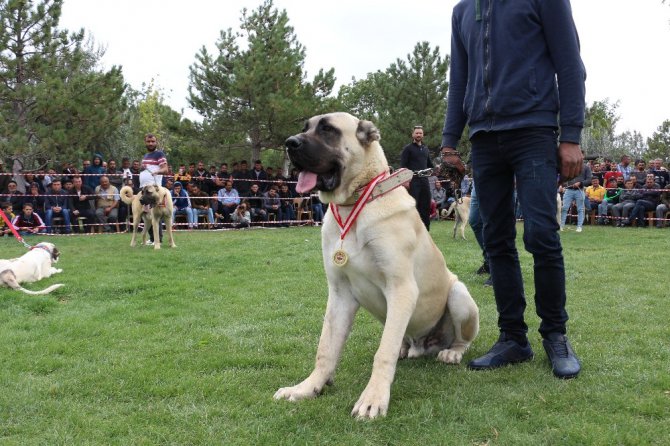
point(326, 181)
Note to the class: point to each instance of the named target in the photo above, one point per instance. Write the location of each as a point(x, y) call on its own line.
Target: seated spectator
point(639, 173)
point(255, 204)
point(27, 222)
point(609, 200)
point(287, 212)
point(439, 195)
point(80, 204)
point(259, 175)
point(107, 205)
point(15, 197)
point(200, 204)
point(56, 205)
point(9, 213)
point(181, 205)
point(36, 198)
point(242, 180)
point(661, 175)
point(241, 217)
point(272, 203)
point(115, 175)
point(649, 198)
point(614, 173)
point(627, 199)
point(94, 171)
point(228, 200)
point(594, 195)
point(663, 207)
point(182, 175)
point(596, 171)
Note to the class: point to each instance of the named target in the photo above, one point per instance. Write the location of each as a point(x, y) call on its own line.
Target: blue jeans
point(64, 214)
point(190, 218)
point(208, 212)
point(568, 196)
point(475, 220)
point(531, 156)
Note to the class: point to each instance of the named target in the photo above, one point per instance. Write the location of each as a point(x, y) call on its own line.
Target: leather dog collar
point(396, 179)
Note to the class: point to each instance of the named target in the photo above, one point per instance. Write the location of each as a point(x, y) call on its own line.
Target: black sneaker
point(504, 352)
point(564, 362)
point(484, 269)
point(489, 282)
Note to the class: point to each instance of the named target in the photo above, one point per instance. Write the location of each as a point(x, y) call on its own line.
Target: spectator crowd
point(81, 199)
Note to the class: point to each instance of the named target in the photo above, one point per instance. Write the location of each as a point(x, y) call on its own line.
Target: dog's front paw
point(298, 392)
point(450, 356)
point(374, 402)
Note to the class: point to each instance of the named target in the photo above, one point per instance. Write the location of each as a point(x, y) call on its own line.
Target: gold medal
point(340, 257)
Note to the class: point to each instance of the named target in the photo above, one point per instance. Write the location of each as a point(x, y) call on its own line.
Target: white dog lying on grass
point(31, 267)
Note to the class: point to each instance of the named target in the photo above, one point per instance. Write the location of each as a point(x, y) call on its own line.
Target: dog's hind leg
point(8, 278)
point(465, 319)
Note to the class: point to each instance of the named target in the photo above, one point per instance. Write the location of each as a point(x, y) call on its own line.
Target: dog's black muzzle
point(146, 199)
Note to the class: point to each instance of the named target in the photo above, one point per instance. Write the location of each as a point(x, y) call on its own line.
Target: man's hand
point(571, 158)
point(452, 158)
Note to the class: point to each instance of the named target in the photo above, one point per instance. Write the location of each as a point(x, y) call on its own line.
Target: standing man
point(415, 156)
point(154, 166)
point(515, 69)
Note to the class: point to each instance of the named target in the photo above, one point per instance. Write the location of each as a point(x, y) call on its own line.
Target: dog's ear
point(367, 133)
point(55, 254)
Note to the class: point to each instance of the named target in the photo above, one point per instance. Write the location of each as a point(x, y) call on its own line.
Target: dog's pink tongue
point(306, 182)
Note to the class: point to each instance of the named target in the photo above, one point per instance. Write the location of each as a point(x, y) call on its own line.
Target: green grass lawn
point(186, 346)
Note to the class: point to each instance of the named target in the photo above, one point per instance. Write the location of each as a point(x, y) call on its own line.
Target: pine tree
point(256, 97)
point(53, 102)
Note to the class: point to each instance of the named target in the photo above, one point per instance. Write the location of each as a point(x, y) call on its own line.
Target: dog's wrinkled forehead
point(334, 126)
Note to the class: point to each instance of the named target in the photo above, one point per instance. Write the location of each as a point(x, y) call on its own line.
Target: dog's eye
point(327, 127)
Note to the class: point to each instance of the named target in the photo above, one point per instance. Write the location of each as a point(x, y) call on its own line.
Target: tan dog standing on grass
point(461, 210)
point(160, 201)
point(387, 263)
point(32, 266)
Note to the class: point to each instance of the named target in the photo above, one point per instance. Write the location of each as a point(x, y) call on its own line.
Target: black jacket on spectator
point(81, 206)
point(242, 182)
point(59, 199)
point(651, 194)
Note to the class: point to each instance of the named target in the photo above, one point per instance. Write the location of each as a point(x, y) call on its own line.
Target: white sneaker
point(579, 229)
point(562, 228)
point(149, 243)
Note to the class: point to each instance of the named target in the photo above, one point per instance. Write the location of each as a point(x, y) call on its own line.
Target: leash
point(423, 173)
point(13, 229)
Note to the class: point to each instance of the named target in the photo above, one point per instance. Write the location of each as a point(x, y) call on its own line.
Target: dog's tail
point(127, 194)
point(8, 278)
point(451, 209)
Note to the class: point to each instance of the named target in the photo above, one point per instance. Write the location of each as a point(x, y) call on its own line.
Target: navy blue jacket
point(514, 64)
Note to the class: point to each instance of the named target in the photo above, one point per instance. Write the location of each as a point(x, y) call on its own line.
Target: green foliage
point(253, 98)
point(187, 346)
point(659, 143)
point(599, 127)
point(54, 102)
point(409, 92)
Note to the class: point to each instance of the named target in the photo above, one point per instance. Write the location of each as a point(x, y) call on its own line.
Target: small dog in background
point(461, 210)
point(34, 265)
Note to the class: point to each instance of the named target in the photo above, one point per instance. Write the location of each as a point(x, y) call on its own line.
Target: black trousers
point(419, 188)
